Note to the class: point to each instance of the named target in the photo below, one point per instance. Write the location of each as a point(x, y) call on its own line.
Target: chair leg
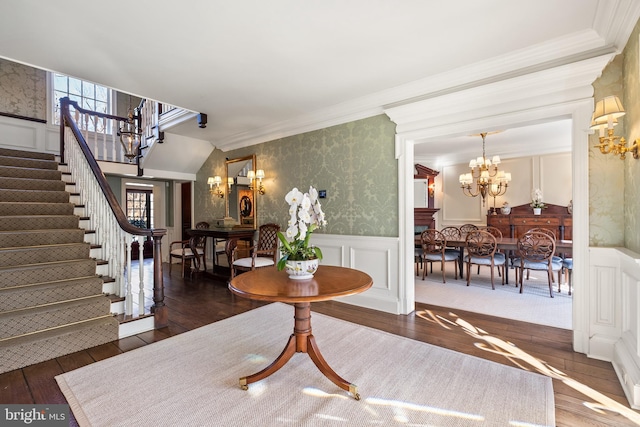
point(492, 285)
point(468, 272)
point(521, 277)
point(550, 279)
point(442, 268)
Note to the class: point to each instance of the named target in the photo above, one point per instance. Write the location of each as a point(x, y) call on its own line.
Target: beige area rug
point(192, 380)
point(534, 305)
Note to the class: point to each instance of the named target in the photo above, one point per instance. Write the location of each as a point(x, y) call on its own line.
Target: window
point(89, 96)
point(140, 208)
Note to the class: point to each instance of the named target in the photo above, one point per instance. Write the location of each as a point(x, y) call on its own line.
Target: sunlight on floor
point(528, 362)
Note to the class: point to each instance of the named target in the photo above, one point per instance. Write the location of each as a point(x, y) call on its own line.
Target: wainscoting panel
point(615, 280)
point(376, 256)
point(21, 134)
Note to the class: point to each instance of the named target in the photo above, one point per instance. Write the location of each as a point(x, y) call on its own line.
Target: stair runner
point(51, 300)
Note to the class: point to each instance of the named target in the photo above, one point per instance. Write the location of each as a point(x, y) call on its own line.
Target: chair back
point(536, 246)
point(267, 244)
point(466, 228)
point(230, 246)
point(481, 244)
point(493, 230)
point(544, 230)
point(433, 242)
point(197, 244)
point(451, 233)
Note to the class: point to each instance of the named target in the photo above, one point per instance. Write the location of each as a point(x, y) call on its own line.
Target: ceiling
point(262, 70)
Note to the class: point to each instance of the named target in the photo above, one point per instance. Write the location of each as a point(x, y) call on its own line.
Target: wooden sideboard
point(521, 219)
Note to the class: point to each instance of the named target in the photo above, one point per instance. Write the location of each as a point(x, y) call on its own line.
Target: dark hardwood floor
point(199, 301)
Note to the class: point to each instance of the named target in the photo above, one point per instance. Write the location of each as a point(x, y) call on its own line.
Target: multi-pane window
point(89, 96)
point(140, 208)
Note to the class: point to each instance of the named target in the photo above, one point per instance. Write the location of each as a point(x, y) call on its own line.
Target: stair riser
point(27, 154)
point(48, 293)
point(35, 255)
point(14, 172)
point(16, 354)
point(31, 184)
point(16, 276)
point(42, 318)
point(29, 163)
point(39, 222)
point(34, 196)
point(12, 239)
point(8, 209)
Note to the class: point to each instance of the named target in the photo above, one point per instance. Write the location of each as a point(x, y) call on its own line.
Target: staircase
point(51, 300)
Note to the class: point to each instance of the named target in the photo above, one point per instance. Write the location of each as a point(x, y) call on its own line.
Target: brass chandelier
point(489, 181)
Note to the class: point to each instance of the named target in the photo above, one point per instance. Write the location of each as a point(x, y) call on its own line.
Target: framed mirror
point(240, 200)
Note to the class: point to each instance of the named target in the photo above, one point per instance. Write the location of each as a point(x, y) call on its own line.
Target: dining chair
point(555, 258)
point(535, 251)
point(481, 250)
point(264, 252)
point(434, 246)
point(203, 225)
point(498, 235)
point(188, 252)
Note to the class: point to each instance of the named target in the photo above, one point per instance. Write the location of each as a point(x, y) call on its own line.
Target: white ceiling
point(267, 69)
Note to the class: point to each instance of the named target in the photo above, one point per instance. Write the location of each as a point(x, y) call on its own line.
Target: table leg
point(301, 341)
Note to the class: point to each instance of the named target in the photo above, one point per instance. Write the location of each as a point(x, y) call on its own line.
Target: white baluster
point(141, 274)
point(129, 296)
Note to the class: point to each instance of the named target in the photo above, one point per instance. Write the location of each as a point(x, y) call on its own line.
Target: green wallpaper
point(614, 184)
point(354, 162)
point(606, 172)
point(632, 122)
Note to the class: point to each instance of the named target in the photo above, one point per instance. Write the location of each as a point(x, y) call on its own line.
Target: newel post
point(159, 309)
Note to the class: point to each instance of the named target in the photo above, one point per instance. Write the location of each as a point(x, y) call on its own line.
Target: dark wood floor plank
point(14, 388)
point(41, 380)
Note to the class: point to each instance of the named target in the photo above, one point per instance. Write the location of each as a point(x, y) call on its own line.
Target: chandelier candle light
point(300, 259)
point(489, 180)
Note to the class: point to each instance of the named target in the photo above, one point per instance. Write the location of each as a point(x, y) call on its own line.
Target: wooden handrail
point(97, 172)
point(159, 309)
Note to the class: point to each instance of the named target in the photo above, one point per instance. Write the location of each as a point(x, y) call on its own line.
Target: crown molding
point(615, 21)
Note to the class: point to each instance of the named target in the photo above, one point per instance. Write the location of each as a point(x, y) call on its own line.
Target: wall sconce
point(215, 180)
point(230, 183)
point(259, 174)
point(432, 189)
point(605, 117)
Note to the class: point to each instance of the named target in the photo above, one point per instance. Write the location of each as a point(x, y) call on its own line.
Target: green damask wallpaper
point(355, 163)
point(614, 184)
point(22, 90)
point(606, 174)
point(632, 121)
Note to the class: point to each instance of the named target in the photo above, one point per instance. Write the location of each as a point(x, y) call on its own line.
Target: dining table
point(507, 244)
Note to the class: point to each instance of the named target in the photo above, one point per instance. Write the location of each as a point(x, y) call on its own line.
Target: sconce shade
point(251, 175)
point(609, 107)
point(260, 174)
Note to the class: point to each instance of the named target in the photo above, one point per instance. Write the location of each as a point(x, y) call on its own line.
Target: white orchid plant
point(536, 199)
point(306, 216)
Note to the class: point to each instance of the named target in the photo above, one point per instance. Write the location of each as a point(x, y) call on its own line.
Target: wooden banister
point(159, 308)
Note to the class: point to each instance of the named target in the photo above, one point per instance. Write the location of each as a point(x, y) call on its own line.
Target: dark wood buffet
point(521, 219)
